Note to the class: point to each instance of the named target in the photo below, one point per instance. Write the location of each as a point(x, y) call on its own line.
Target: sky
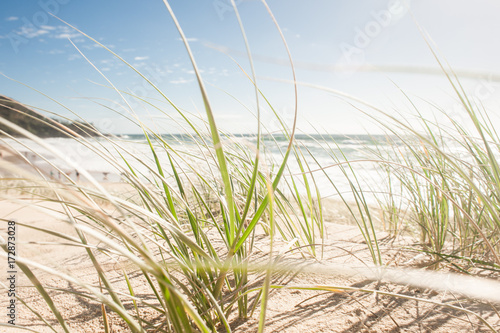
point(48, 64)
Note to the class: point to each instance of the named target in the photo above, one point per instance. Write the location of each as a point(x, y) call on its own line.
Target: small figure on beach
point(105, 175)
point(51, 174)
point(77, 175)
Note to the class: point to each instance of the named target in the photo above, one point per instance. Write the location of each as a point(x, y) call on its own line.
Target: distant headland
point(37, 123)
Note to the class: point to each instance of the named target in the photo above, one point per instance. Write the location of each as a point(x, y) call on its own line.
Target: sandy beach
point(39, 223)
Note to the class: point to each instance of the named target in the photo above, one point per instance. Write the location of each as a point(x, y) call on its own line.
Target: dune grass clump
point(448, 175)
point(188, 220)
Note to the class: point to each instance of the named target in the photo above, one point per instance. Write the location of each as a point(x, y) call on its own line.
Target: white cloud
point(139, 64)
point(74, 57)
point(192, 39)
point(47, 27)
point(12, 18)
point(192, 72)
point(59, 32)
point(53, 52)
point(91, 46)
point(180, 80)
point(31, 32)
point(141, 58)
point(67, 35)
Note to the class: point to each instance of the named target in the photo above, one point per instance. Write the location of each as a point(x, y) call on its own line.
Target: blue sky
point(322, 35)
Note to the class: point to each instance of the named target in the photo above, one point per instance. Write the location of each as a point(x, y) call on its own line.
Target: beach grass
point(189, 221)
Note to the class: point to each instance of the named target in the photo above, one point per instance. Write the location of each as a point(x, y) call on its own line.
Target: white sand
point(288, 310)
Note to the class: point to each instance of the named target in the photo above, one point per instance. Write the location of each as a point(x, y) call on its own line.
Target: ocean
point(322, 154)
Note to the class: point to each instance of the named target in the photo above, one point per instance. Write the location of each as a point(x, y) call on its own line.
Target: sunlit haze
point(334, 44)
